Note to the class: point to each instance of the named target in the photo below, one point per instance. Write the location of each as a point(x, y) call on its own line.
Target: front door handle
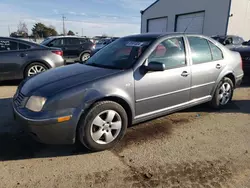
point(184, 74)
point(218, 66)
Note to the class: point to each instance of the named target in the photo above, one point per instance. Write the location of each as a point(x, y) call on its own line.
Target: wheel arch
point(118, 100)
point(228, 74)
point(85, 51)
point(35, 61)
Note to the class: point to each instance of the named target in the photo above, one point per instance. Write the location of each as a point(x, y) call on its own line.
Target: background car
point(20, 59)
point(74, 48)
point(237, 44)
point(133, 79)
point(102, 43)
point(230, 41)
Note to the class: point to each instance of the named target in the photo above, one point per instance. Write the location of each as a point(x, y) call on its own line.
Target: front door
point(207, 60)
point(158, 91)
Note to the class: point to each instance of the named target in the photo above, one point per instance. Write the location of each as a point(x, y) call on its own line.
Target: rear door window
point(200, 50)
point(8, 45)
point(24, 46)
point(71, 41)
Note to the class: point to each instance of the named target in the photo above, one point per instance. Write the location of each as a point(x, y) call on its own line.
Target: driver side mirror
point(155, 66)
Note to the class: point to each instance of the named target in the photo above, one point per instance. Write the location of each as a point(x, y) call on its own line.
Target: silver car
point(135, 78)
point(20, 59)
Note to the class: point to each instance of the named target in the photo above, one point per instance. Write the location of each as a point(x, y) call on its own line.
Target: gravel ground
point(197, 147)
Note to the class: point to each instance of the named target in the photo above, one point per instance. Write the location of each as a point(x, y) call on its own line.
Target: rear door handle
point(218, 66)
point(184, 74)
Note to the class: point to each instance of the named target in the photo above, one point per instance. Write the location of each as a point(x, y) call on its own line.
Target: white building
point(208, 17)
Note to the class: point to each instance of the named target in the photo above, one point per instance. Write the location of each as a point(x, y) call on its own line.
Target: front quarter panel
point(82, 96)
point(119, 86)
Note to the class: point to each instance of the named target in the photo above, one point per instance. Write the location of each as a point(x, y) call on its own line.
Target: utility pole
point(63, 18)
point(9, 30)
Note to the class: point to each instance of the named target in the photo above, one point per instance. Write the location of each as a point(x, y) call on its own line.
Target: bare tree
point(22, 29)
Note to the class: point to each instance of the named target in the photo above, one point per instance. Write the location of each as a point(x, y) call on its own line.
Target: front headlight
point(35, 103)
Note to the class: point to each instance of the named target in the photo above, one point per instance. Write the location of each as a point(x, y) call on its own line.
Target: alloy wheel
point(85, 57)
point(35, 70)
point(225, 93)
point(106, 127)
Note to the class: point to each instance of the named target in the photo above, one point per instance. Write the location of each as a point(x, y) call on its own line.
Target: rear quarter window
point(216, 52)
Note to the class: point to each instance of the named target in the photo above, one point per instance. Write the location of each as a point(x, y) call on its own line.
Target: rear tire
point(34, 68)
point(103, 126)
point(223, 94)
point(84, 57)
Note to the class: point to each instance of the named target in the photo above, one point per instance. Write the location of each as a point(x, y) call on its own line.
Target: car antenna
point(188, 25)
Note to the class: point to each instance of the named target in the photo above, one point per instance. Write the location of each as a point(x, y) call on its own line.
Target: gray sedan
point(134, 79)
point(20, 59)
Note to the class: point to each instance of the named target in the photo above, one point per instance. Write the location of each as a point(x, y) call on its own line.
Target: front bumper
point(48, 130)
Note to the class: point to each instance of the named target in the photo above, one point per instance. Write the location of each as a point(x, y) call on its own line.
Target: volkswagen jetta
point(134, 79)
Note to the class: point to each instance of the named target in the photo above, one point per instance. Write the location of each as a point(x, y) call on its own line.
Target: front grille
point(19, 100)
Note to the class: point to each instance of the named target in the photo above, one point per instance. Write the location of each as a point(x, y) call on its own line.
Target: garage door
point(157, 25)
point(193, 23)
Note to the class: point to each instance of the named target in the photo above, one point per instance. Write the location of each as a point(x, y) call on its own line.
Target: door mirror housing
point(155, 66)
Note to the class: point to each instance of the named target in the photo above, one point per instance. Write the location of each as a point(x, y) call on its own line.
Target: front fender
point(91, 96)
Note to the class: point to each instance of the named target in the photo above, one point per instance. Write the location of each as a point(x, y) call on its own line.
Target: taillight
point(58, 52)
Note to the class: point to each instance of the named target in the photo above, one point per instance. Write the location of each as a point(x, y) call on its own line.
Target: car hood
point(58, 79)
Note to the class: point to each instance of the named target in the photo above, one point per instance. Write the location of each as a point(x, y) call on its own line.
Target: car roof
point(159, 35)
point(20, 40)
point(224, 36)
point(53, 37)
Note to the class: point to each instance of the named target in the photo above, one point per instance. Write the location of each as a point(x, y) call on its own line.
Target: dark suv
point(74, 48)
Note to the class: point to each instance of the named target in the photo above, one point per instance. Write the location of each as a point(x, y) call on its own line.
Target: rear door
point(207, 64)
point(12, 56)
point(72, 47)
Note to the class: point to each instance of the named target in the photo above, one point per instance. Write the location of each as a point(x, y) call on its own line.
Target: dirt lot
point(194, 148)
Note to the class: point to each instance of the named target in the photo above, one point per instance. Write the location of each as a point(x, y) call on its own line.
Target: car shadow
point(10, 83)
point(16, 144)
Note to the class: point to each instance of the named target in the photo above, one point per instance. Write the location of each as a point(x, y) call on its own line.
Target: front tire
point(103, 126)
point(223, 94)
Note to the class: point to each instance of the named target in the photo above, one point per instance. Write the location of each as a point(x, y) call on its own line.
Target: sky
point(87, 17)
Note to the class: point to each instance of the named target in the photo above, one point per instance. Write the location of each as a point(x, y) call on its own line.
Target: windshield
point(121, 54)
point(46, 41)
